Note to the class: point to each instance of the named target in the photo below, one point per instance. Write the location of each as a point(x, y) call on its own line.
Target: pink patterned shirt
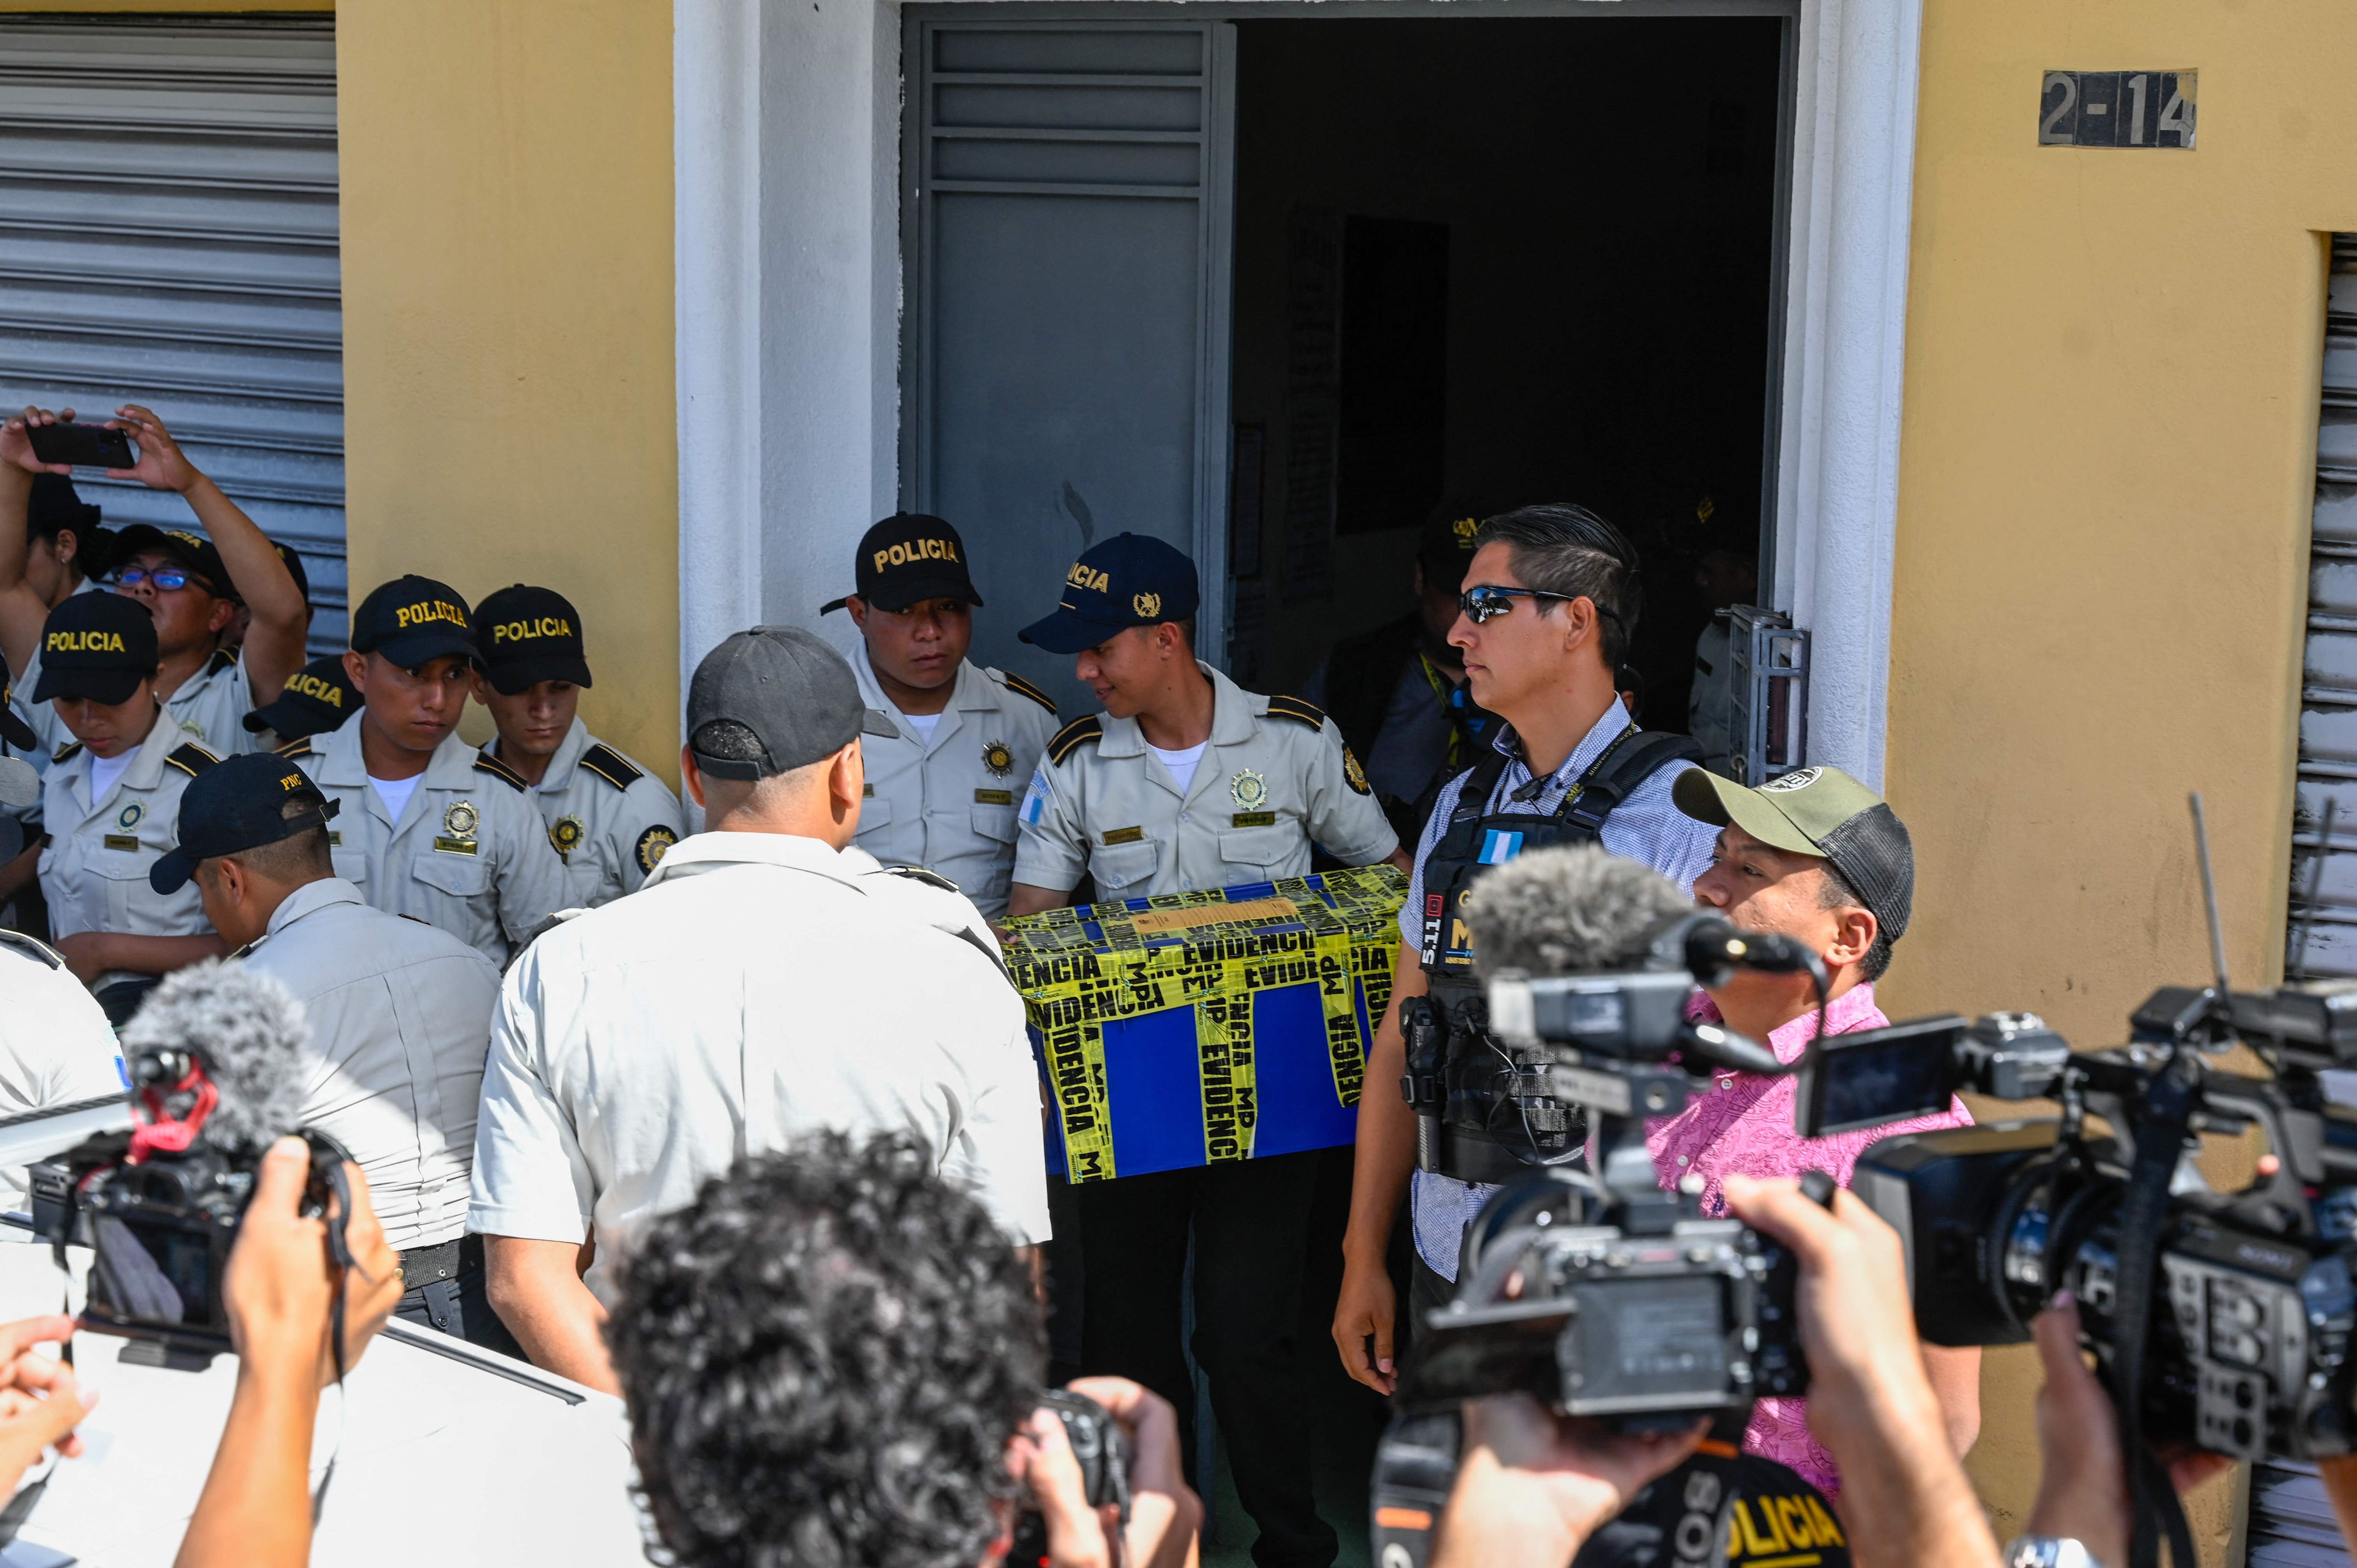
point(1745, 1126)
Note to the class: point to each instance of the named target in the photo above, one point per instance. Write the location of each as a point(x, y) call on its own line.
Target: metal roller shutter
point(168, 236)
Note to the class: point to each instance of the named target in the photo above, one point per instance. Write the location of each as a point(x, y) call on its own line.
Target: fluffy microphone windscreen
point(251, 1033)
point(1569, 912)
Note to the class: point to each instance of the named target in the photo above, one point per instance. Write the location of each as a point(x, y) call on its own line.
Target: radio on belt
point(1192, 1029)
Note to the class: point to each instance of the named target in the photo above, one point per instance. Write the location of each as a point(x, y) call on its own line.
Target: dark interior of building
point(1482, 262)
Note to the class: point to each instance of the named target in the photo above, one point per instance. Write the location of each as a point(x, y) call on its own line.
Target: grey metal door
point(2323, 933)
point(168, 236)
point(1064, 350)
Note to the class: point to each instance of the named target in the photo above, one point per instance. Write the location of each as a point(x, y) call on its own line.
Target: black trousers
point(1250, 1221)
point(460, 1307)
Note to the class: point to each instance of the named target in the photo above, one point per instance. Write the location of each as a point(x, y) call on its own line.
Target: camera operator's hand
point(280, 1282)
point(1870, 1402)
point(2082, 1488)
point(1166, 1517)
point(1533, 1487)
point(255, 1511)
point(40, 1404)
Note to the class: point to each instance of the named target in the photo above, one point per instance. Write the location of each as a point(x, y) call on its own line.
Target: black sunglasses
point(1487, 603)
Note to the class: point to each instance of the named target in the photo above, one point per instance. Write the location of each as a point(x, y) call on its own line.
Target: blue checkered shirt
point(1645, 827)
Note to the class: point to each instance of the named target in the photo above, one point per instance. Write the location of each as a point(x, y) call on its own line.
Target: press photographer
point(832, 1355)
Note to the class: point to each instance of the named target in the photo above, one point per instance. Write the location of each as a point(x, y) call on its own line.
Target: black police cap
point(237, 805)
point(315, 699)
point(413, 620)
point(99, 646)
point(527, 635)
point(907, 558)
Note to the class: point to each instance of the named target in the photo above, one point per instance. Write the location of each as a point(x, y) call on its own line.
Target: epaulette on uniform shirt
point(64, 752)
point(1078, 733)
point(222, 659)
point(191, 759)
point(1017, 684)
point(918, 873)
point(501, 770)
point(611, 766)
point(295, 748)
point(1297, 710)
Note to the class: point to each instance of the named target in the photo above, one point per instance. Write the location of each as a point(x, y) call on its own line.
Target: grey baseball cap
point(796, 695)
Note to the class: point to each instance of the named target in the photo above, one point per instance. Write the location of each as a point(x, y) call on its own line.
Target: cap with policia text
point(192, 551)
point(315, 699)
point(907, 558)
point(528, 636)
point(1131, 579)
point(236, 805)
point(411, 620)
point(99, 646)
point(14, 730)
point(1821, 812)
point(795, 693)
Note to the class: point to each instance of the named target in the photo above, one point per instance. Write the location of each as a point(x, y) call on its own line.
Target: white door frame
point(786, 135)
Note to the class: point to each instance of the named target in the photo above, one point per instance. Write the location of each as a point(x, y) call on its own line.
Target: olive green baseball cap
point(1821, 812)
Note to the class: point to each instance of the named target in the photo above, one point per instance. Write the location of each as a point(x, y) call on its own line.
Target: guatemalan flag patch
point(1499, 846)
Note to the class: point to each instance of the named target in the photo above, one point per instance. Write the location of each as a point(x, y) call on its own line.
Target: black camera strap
point(2161, 1136)
point(339, 1252)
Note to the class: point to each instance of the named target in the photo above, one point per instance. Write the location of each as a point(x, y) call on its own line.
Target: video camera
point(213, 1061)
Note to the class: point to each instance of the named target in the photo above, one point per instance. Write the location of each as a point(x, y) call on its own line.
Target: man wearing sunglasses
point(189, 585)
point(1549, 602)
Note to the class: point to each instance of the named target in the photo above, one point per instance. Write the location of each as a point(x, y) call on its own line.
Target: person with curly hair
point(833, 1357)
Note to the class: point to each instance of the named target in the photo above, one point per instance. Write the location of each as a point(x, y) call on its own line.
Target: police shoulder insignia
point(1352, 774)
point(295, 748)
point(998, 758)
point(611, 766)
point(653, 844)
point(566, 834)
point(1297, 710)
point(191, 758)
point(64, 752)
point(486, 763)
point(1078, 733)
point(1021, 687)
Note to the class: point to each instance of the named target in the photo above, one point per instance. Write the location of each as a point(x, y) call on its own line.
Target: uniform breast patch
point(653, 844)
point(999, 758)
point(1249, 789)
point(566, 834)
point(1126, 835)
point(994, 797)
point(128, 818)
point(122, 841)
point(459, 821)
point(453, 846)
point(1253, 820)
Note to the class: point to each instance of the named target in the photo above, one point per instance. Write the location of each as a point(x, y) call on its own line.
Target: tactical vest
point(1485, 1110)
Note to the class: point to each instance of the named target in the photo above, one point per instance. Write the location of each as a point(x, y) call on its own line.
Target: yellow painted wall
point(507, 246)
point(2106, 469)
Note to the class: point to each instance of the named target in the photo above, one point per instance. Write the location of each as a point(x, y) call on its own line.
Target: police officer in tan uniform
point(609, 819)
point(108, 802)
point(1185, 782)
point(429, 827)
point(941, 788)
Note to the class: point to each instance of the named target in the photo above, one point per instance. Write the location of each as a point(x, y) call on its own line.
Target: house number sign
point(2116, 109)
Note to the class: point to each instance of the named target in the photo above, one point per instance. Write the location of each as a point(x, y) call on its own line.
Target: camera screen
point(1878, 1076)
point(1637, 1341)
point(152, 1272)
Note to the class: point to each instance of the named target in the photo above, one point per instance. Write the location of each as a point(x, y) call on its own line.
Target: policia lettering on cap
point(109, 801)
point(1187, 781)
point(429, 828)
point(942, 787)
point(609, 819)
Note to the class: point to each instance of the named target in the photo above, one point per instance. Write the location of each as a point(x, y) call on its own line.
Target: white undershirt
point(105, 770)
point(924, 725)
point(1181, 763)
point(395, 793)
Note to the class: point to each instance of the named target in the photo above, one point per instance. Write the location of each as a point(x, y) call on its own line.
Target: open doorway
point(1483, 262)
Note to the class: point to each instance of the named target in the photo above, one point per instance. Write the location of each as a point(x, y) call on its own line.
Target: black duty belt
point(422, 1266)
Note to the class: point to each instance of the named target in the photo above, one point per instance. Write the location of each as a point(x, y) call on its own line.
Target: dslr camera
point(159, 1206)
point(1104, 1454)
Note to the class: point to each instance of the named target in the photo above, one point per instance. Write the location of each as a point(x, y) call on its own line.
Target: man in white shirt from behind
point(770, 980)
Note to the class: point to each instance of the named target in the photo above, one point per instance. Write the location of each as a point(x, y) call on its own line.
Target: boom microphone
point(225, 1034)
